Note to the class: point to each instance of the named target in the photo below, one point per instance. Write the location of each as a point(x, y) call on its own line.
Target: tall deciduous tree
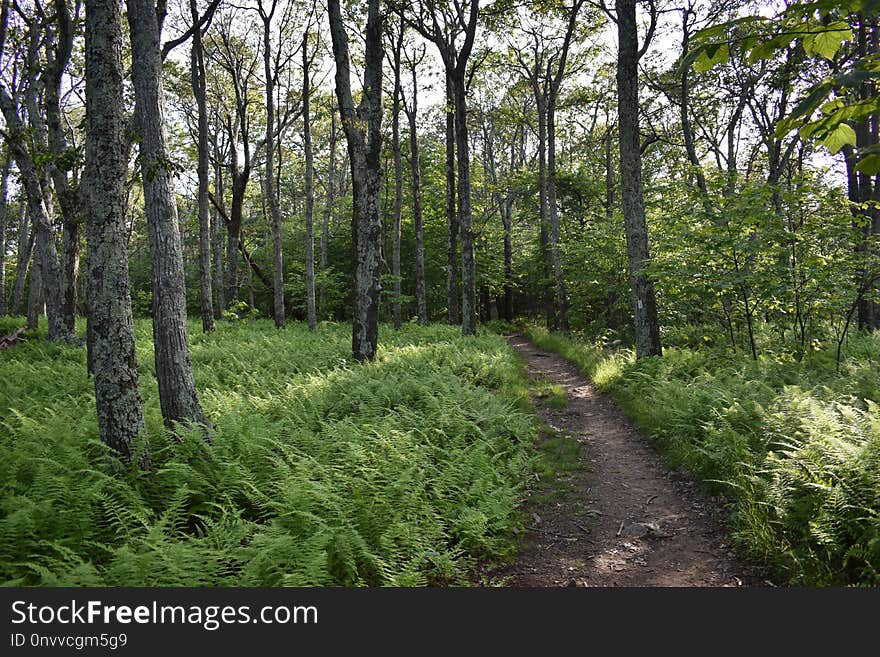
point(117, 397)
point(177, 390)
point(363, 131)
point(647, 325)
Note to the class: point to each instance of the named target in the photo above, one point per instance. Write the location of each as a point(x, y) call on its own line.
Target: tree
point(412, 111)
point(177, 390)
point(647, 326)
point(362, 125)
point(199, 88)
point(452, 28)
point(117, 397)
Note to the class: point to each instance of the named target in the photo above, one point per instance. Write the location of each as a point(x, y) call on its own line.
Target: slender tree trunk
point(416, 173)
point(111, 327)
point(396, 310)
point(647, 326)
point(35, 296)
point(50, 268)
point(362, 125)
point(217, 241)
point(4, 179)
point(269, 182)
point(609, 177)
point(23, 259)
point(177, 390)
point(58, 49)
point(468, 262)
point(311, 314)
point(543, 233)
point(451, 215)
point(328, 213)
point(558, 277)
point(199, 87)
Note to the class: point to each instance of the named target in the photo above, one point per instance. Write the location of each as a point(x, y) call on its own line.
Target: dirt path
point(618, 517)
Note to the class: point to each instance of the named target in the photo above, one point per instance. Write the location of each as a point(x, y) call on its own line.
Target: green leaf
point(839, 137)
point(870, 165)
point(712, 54)
point(826, 41)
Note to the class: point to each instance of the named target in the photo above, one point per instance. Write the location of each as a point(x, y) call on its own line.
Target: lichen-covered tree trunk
point(111, 327)
point(199, 87)
point(647, 326)
point(363, 131)
point(177, 390)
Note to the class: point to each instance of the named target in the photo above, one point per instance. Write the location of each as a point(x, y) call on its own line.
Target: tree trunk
point(35, 296)
point(396, 310)
point(311, 314)
point(468, 262)
point(4, 179)
point(328, 213)
point(177, 390)
point(23, 259)
point(363, 133)
point(217, 241)
point(111, 327)
point(451, 216)
point(58, 49)
point(416, 173)
point(558, 277)
point(199, 87)
point(647, 327)
point(50, 269)
point(269, 182)
point(609, 176)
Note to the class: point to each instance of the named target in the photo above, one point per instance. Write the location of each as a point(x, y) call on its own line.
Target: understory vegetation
point(794, 445)
point(320, 471)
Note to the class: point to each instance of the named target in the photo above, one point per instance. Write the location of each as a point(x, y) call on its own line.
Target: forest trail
point(617, 517)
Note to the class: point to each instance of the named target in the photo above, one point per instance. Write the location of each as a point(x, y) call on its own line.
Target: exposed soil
point(619, 517)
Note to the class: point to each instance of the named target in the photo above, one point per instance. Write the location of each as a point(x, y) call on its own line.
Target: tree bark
point(199, 87)
point(362, 126)
point(311, 314)
point(111, 327)
point(35, 301)
point(647, 326)
point(177, 390)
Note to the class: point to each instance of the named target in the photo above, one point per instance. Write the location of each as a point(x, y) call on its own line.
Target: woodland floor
point(616, 516)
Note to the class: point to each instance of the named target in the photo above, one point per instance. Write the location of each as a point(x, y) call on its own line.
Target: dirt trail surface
point(619, 517)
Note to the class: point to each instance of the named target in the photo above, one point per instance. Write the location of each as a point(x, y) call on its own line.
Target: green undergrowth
point(794, 445)
point(405, 471)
